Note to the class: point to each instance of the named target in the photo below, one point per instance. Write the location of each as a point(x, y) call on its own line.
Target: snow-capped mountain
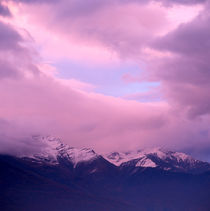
point(54, 176)
point(119, 158)
point(53, 150)
point(158, 158)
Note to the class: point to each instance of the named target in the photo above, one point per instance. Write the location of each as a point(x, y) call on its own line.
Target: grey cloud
point(15, 141)
point(13, 56)
point(9, 38)
point(4, 10)
point(191, 39)
point(183, 2)
point(186, 75)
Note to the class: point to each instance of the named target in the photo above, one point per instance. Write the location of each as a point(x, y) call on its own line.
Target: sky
point(106, 74)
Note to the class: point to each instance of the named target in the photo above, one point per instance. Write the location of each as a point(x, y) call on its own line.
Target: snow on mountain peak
point(148, 157)
point(118, 158)
point(145, 162)
point(53, 148)
point(52, 151)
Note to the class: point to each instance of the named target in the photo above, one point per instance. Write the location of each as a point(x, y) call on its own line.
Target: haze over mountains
point(61, 177)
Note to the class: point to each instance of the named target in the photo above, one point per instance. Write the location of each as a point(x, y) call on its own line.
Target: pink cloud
point(123, 28)
point(34, 102)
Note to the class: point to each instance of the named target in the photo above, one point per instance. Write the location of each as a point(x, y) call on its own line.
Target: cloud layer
point(33, 102)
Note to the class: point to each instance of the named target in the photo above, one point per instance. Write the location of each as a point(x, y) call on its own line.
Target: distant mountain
point(158, 158)
point(54, 150)
point(59, 177)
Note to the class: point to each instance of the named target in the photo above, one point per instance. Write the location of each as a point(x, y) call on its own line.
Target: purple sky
point(106, 74)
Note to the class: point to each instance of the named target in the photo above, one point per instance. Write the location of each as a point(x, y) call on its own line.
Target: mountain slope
point(25, 186)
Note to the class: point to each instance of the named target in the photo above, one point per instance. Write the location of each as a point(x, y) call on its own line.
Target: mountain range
point(60, 177)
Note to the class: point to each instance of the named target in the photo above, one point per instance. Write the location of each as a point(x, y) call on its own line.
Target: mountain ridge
point(54, 150)
point(62, 182)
